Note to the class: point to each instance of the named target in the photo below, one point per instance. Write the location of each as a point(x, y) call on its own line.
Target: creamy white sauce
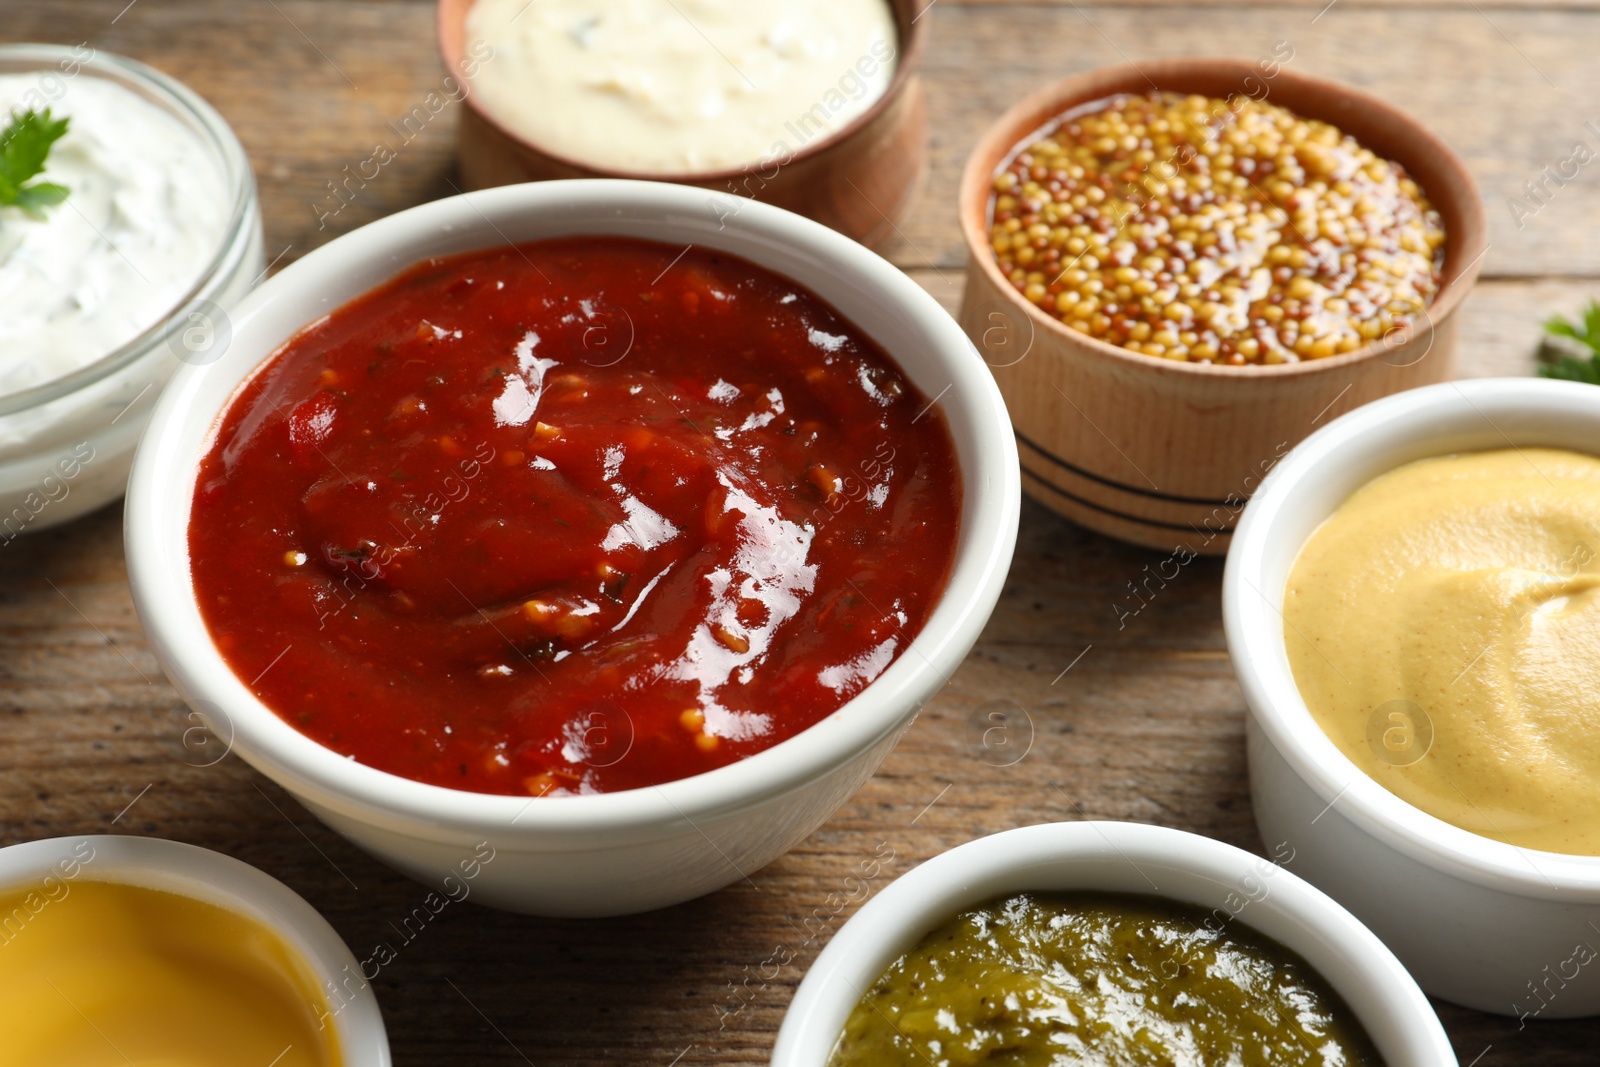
point(142, 222)
point(677, 86)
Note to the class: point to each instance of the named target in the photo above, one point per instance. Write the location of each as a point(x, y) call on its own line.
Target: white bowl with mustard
point(1410, 604)
point(141, 950)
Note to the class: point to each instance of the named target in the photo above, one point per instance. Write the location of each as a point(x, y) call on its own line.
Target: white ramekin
point(201, 874)
point(637, 849)
point(66, 445)
point(1116, 857)
point(1479, 922)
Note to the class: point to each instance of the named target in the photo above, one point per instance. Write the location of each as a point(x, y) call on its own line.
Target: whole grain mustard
point(1218, 231)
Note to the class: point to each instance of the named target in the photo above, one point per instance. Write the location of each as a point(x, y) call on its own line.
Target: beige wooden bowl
point(1164, 453)
point(860, 180)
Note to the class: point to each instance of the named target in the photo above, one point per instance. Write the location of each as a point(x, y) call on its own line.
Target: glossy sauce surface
point(1063, 979)
point(100, 973)
point(581, 515)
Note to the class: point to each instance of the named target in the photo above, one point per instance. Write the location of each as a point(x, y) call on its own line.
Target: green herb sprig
point(24, 145)
point(1570, 351)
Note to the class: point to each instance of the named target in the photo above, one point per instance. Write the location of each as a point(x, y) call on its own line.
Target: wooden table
point(1148, 724)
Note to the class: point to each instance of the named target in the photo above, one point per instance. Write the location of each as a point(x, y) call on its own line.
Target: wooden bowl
point(860, 180)
point(1164, 453)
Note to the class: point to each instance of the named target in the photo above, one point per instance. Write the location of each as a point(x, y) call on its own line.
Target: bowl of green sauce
point(1105, 942)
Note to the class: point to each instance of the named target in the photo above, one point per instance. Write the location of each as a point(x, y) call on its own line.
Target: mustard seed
point(1223, 231)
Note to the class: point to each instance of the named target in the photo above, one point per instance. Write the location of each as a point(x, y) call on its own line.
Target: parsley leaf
point(23, 147)
point(1571, 350)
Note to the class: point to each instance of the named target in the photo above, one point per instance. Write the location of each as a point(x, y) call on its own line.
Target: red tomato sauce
point(577, 516)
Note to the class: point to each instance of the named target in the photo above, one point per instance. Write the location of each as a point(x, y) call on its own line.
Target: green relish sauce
point(1058, 979)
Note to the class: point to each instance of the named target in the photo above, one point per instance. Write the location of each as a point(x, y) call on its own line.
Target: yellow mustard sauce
point(101, 973)
point(1443, 627)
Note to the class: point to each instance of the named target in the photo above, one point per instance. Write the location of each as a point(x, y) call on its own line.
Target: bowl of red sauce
point(594, 526)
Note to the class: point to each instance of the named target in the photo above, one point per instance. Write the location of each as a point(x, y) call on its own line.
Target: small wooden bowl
point(860, 180)
point(1164, 453)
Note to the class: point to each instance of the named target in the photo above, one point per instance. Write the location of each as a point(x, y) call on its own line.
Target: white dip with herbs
point(679, 86)
point(142, 222)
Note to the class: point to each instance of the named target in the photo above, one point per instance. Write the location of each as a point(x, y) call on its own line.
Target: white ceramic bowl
point(638, 849)
point(1479, 922)
point(209, 876)
point(66, 444)
point(1122, 858)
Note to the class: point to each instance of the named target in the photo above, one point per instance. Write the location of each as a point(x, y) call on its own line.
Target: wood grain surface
point(1142, 722)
